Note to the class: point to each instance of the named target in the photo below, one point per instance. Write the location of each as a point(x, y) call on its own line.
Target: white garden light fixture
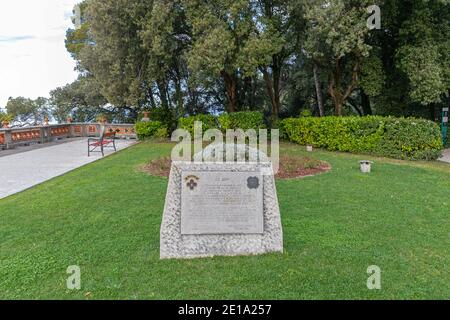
point(365, 166)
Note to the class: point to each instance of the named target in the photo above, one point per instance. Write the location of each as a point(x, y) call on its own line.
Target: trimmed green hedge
point(241, 120)
point(151, 129)
point(238, 120)
point(401, 138)
point(208, 122)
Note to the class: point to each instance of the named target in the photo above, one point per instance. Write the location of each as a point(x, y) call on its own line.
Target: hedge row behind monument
point(400, 138)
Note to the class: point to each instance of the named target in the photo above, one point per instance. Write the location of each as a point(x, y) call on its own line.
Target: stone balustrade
point(11, 137)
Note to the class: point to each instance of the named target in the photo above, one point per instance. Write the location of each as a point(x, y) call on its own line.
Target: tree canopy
point(185, 57)
point(28, 111)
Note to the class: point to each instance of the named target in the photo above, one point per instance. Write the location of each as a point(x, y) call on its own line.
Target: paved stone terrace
point(445, 156)
point(22, 170)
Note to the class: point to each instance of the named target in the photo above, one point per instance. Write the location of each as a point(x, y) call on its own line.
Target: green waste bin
point(444, 125)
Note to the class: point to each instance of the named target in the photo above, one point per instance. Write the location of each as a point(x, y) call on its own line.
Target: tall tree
point(336, 39)
point(115, 55)
point(318, 86)
point(166, 37)
point(220, 31)
point(28, 111)
point(424, 50)
point(410, 58)
point(82, 101)
point(271, 43)
point(79, 37)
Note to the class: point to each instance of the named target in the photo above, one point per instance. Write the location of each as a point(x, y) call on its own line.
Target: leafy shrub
point(414, 139)
point(150, 129)
point(241, 120)
point(162, 133)
point(208, 122)
point(306, 113)
point(165, 116)
point(399, 138)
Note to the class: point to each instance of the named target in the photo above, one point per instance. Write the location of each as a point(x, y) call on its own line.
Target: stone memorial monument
point(220, 209)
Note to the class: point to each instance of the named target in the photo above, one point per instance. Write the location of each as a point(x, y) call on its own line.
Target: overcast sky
point(33, 58)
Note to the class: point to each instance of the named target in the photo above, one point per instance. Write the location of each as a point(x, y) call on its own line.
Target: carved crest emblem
point(253, 182)
point(191, 182)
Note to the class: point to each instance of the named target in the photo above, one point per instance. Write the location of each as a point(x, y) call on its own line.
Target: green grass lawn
point(105, 217)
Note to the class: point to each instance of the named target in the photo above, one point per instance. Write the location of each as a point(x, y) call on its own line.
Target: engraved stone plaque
point(220, 209)
point(220, 202)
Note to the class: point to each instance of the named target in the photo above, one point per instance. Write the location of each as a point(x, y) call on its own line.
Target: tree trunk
point(354, 104)
point(152, 98)
point(338, 107)
point(277, 62)
point(335, 93)
point(163, 94)
point(247, 94)
point(365, 103)
point(334, 89)
point(318, 90)
point(179, 97)
point(335, 86)
point(272, 91)
point(276, 92)
point(231, 90)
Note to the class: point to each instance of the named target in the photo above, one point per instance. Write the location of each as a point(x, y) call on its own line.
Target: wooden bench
point(107, 140)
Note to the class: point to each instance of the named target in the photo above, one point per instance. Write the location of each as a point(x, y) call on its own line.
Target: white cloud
point(33, 57)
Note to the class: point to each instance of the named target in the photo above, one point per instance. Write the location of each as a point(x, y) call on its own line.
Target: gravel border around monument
point(175, 245)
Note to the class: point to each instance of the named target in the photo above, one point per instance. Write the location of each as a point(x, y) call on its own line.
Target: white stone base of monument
point(175, 244)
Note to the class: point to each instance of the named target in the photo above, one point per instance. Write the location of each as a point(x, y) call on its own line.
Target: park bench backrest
point(109, 135)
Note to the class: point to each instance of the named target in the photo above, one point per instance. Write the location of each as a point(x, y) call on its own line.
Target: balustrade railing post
point(8, 138)
point(84, 130)
point(42, 135)
point(47, 137)
point(71, 130)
